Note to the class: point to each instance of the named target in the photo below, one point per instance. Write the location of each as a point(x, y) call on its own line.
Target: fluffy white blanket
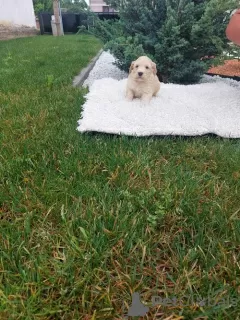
point(210, 107)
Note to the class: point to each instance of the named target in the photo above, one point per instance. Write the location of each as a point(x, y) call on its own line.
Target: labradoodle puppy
point(142, 82)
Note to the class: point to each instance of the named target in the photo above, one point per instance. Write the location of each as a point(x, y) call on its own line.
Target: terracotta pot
point(233, 28)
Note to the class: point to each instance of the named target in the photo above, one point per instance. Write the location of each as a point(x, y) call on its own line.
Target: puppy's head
point(142, 68)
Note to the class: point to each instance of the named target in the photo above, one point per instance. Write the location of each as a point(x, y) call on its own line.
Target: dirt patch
point(230, 68)
point(11, 32)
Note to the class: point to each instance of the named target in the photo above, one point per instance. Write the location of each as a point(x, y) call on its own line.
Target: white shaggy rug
point(210, 107)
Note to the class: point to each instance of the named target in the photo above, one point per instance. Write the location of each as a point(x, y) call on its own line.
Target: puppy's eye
point(137, 66)
point(147, 67)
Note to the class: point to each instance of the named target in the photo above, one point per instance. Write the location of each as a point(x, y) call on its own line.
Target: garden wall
point(17, 12)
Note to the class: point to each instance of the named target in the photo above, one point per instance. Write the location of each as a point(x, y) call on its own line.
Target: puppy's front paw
point(129, 95)
point(146, 98)
point(129, 98)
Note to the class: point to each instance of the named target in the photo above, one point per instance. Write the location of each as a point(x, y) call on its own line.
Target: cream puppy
point(142, 80)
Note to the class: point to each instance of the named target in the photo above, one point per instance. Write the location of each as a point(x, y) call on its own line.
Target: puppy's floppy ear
point(154, 67)
point(131, 67)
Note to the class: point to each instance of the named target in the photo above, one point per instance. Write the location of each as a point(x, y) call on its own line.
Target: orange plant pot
point(233, 28)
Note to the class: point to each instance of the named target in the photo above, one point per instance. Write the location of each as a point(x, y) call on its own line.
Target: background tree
point(42, 5)
point(74, 6)
point(70, 5)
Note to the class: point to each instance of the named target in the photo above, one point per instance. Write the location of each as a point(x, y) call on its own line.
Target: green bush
point(125, 50)
point(176, 34)
point(107, 30)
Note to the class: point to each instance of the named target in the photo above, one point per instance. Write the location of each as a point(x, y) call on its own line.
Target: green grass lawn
point(87, 219)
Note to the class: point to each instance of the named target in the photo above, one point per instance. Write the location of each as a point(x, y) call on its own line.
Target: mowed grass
point(88, 219)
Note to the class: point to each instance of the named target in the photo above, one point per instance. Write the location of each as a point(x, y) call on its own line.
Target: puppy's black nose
point(140, 74)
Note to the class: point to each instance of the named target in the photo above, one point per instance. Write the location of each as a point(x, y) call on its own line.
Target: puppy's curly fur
point(142, 82)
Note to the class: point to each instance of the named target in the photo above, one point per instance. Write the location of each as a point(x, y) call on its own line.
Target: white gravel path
point(104, 68)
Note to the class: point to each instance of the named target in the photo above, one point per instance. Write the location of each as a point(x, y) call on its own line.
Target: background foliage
point(70, 5)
